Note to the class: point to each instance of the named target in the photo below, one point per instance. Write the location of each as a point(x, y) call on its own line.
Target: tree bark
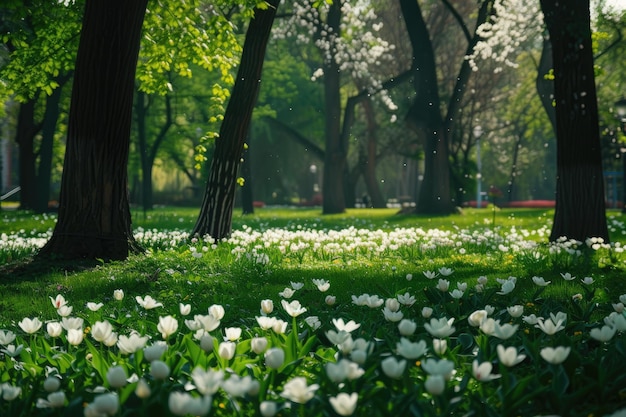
point(580, 206)
point(369, 172)
point(44, 172)
point(215, 217)
point(545, 87)
point(247, 200)
point(336, 146)
point(147, 152)
point(25, 137)
point(94, 216)
point(425, 115)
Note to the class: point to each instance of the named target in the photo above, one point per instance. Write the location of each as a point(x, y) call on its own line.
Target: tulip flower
point(297, 390)
point(435, 384)
point(30, 326)
point(94, 306)
point(182, 404)
point(118, 295)
point(321, 284)
point(184, 309)
point(392, 367)
point(232, 333)
point(52, 384)
point(556, 355)
point(148, 302)
point(217, 311)
point(603, 334)
point(294, 309)
point(268, 408)
point(267, 306)
point(440, 346)
point(258, 344)
point(75, 336)
point(410, 350)
point(226, 350)
point(10, 392)
point(6, 337)
point(54, 400)
point(330, 300)
point(407, 327)
point(515, 311)
point(482, 371)
point(64, 311)
point(477, 317)
point(54, 329)
point(132, 343)
point(344, 404)
point(142, 390)
point(440, 328)
point(101, 330)
point(207, 382)
point(116, 376)
point(159, 370)
point(58, 302)
point(154, 351)
point(548, 326)
point(441, 367)
point(274, 358)
point(509, 356)
point(107, 403)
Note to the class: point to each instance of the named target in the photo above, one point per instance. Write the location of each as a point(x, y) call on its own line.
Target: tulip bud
point(274, 358)
point(54, 329)
point(206, 343)
point(435, 384)
point(143, 389)
point(330, 300)
point(427, 312)
point(226, 350)
point(267, 306)
point(268, 408)
point(116, 376)
point(407, 327)
point(258, 344)
point(52, 384)
point(107, 403)
point(159, 370)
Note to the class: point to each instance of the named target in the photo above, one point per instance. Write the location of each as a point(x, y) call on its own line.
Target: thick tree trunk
point(425, 116)
point(94, 215)
point(25, 137)
point(545, 87)
point(580, 207)
point(215, 217)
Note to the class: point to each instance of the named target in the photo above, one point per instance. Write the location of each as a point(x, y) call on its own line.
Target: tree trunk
point(425, 115)
point(247, 201)
point(369, 173)
point(94, 214)
point(215, 217)
point(148, 153)
point(46, 149)
point(580, 207)
point(25, 137)
point(545, 87)
point(336, 147)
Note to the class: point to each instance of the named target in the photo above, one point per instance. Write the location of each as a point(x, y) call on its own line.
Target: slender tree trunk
point(147, 152)
point(25, 137)
point(336, 148)
point(247, 201)
point(215, 217)
point(94, 215)
point(580, 207)
point(48, 130)
point(369, 173)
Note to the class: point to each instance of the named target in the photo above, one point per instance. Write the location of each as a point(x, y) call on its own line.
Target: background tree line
point(378, 96)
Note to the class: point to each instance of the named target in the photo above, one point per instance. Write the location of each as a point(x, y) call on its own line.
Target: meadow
point(369, 312)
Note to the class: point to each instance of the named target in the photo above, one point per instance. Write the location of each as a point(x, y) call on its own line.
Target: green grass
point(174, 275)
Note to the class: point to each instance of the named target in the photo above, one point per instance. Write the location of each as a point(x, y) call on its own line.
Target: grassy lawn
point(452, 269)
point(218, 277)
